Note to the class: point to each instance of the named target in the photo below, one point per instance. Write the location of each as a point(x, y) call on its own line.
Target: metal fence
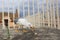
point(46, 13)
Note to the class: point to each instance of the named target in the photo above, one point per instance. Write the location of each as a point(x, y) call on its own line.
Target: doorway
point(6, 22)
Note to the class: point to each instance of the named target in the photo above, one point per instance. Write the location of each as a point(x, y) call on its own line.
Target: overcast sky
point(14, 3)
point(9, 3)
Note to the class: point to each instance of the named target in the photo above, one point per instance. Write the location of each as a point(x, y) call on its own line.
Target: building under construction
point(10, 19)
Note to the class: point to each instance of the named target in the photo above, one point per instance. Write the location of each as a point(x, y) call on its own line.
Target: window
point(46, 24)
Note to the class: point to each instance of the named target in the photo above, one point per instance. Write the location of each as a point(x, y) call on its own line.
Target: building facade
point(39, 21)
point(9, 18)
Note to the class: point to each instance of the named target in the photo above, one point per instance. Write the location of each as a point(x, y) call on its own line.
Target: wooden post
point(48, 16)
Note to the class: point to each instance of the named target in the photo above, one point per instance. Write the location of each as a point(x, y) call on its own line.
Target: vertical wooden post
point(48, 14)
point(23, 10)
point(33, 14)
point(43, 13)
point(19, 9)
point(3, 14)
point(39, 21)
point(51, 13)
point(54, 14)
point(13, 15)
point(57, 14)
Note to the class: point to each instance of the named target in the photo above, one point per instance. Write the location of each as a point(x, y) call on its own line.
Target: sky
point(10, 3)
point(13, 5)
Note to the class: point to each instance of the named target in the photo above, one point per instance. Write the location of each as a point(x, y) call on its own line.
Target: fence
point(41, 13)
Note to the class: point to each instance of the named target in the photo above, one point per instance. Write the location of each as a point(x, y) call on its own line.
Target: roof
point(6, 14)
point(10, 14)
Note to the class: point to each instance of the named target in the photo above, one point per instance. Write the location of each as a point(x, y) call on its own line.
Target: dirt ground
point(42, 34)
